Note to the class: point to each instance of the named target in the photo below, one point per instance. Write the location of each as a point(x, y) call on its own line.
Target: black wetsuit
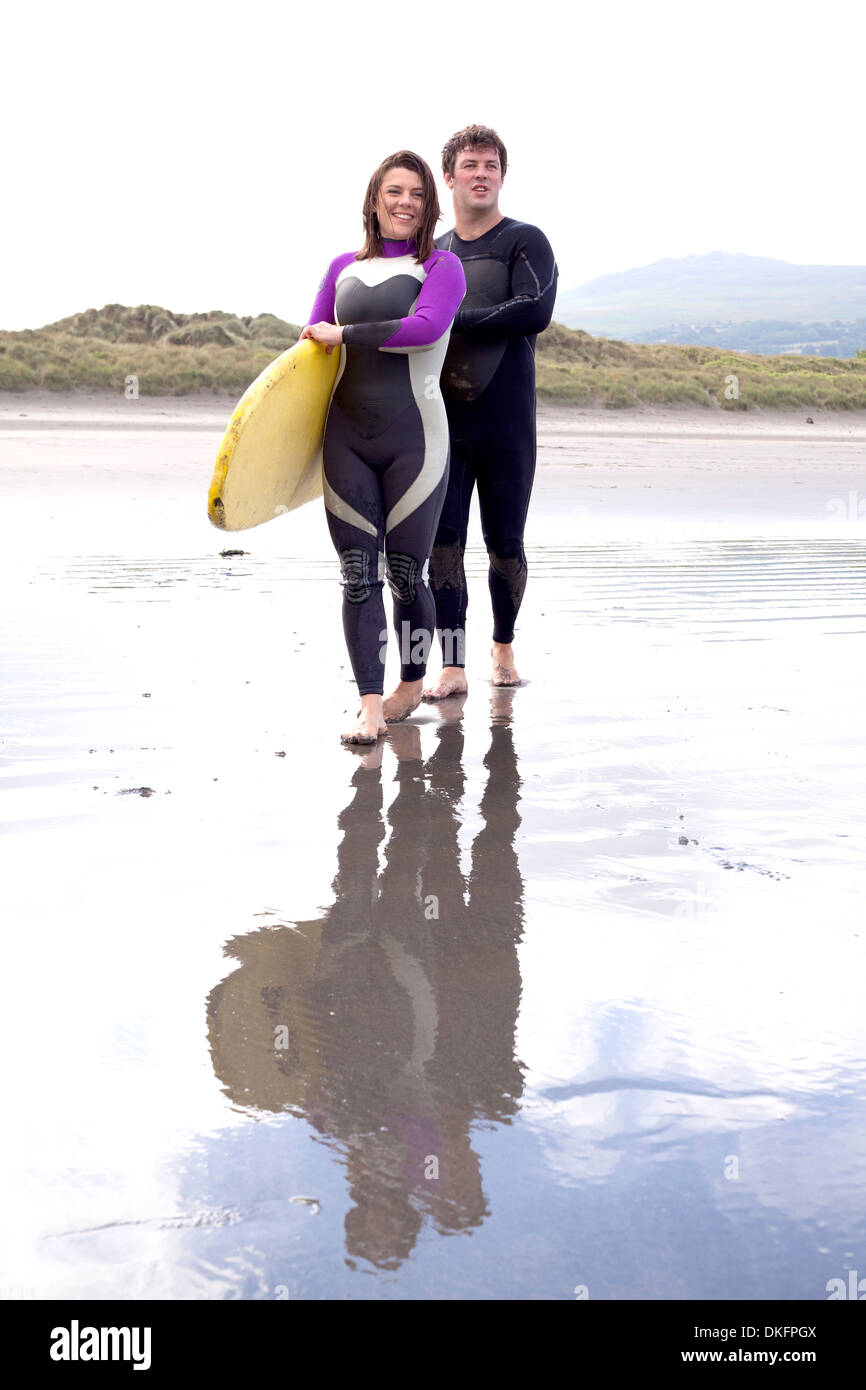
point(386, 445)
point(488, 383)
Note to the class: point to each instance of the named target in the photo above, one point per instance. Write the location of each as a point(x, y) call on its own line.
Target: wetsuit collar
point(398, 248)
point(497, 227)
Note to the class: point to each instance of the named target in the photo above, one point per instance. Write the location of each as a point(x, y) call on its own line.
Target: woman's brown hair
point(403, 159)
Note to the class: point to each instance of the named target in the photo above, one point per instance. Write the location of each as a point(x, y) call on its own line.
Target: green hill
point(181, 354)
point(575, 368)
point(170, 354)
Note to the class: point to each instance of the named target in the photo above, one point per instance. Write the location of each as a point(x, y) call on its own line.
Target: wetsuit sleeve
point(435, 307)
point(533, 283)
point(323, 305)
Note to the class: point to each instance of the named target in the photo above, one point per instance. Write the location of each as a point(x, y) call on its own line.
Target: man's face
point(476, 181)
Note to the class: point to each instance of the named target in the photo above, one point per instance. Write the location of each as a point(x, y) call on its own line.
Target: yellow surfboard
point(270, 459)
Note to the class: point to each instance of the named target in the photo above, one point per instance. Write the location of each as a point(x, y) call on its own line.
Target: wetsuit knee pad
point(355, 569)
point(446, 537)
point(446, 564)
point(507, 558)
point(401, 572)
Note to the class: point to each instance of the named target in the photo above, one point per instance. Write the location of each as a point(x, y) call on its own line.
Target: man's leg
point(504, 488)
point(448, 577)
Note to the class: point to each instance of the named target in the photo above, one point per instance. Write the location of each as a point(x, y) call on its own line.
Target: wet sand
point(559, 992)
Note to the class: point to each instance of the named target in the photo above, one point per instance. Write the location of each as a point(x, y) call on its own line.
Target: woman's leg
point(414, 487)
point(354, 510)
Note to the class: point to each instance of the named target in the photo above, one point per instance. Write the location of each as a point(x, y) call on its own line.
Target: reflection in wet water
point(388, 1024)
point(379, 1101)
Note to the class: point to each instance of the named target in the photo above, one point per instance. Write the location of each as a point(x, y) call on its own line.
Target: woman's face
point(400, 205)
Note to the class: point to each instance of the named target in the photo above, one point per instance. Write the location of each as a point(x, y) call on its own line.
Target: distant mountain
point(720, 290)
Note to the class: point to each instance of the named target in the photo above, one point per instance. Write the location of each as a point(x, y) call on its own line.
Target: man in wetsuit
point(488, 384)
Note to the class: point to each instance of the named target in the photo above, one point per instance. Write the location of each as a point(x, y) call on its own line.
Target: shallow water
point(562, 996)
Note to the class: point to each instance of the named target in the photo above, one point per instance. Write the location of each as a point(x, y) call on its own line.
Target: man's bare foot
point(502, 703)
point(451, 682)
point(402, 700)
point(371, 723)
point(504, 669)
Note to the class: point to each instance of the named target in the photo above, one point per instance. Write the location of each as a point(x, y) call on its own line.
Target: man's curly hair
point(472, 137)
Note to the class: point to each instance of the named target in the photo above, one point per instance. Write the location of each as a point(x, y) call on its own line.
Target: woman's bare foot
point(451, 682)
point(370, 756)
point(371, 723)
point(405, 742)
point(451, 707)
point(402, 701)
point(504, 670)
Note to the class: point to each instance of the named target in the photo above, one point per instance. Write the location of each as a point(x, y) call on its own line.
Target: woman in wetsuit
point(391, 306)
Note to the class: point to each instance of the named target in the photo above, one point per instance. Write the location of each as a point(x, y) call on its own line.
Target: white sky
point(204, 156)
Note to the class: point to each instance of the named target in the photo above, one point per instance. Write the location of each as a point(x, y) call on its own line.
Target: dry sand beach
point(560, 998)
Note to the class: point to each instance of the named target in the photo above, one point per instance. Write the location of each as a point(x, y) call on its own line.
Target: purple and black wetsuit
point(386, 444)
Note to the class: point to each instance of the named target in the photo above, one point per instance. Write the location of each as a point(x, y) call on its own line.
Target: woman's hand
point(328, 333)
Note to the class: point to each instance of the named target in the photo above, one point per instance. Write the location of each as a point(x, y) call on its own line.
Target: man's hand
point(328, 333)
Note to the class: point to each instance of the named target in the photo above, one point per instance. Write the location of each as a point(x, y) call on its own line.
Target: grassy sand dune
point(182, 354)
point(575, 368)
point(170, 354)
